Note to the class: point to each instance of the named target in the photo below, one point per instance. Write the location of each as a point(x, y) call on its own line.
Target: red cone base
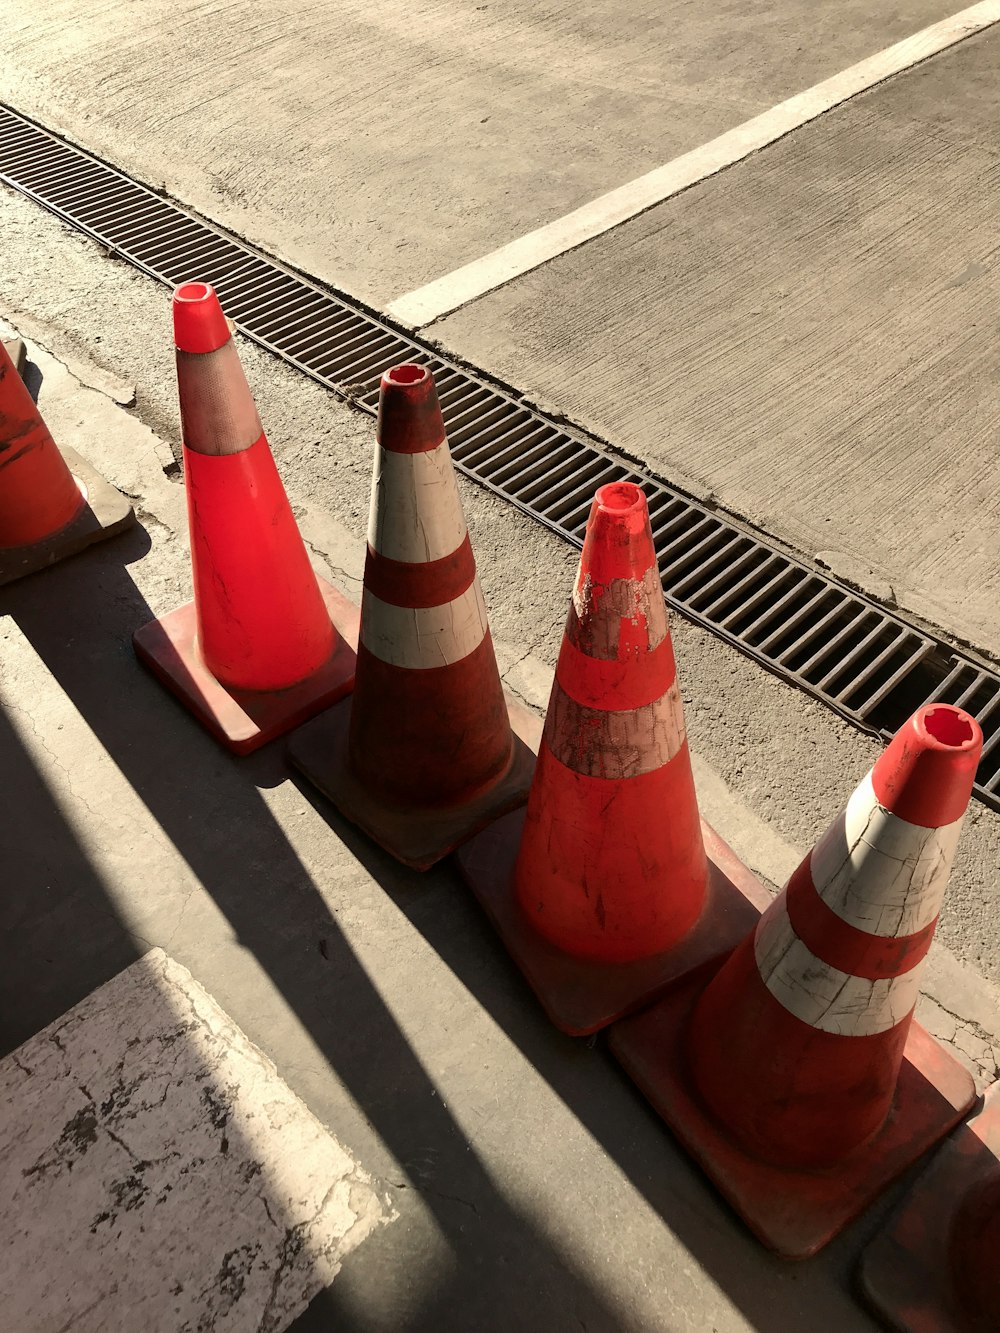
point(106, 513)
point(417, 837)
point(244, 720)
point(936, 1266)
point(579, 995)
point(793, 1212)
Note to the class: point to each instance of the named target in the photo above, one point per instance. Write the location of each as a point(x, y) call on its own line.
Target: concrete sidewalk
point(808, 338)
point(379, 146)
point(533, 1187)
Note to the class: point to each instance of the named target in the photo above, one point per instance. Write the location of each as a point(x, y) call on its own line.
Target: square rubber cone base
point(418, 838)
point(793, 1212)
point(906, 1271)
point(581, 996)
point(107, 513)
point(244, 720)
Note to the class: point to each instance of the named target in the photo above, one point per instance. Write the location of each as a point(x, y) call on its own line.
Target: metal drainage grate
point(869, 666)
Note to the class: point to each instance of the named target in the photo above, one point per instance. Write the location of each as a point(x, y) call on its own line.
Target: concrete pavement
point(534, 1189)
point(379, 146)
point(806, 337)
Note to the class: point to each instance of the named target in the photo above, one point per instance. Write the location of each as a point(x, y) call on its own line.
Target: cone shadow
point(79, 620)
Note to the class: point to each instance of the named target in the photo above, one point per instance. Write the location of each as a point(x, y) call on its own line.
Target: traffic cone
point(425, 752)
point(265, 643)
point(52, 504)
point(796, 1076)
point(934, 1269)
point(602, 890)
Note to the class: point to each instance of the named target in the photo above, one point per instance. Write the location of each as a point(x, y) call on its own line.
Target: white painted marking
point(425, 304)
point(426, 636)
point(416, 514)
point(880, 873)
point(821, 995)
point(157, 1173)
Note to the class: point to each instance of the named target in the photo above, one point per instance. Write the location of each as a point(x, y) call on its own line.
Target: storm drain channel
point(868, 665)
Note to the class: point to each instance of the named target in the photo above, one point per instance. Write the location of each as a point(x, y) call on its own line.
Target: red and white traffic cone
point(424, 753)
point(800, 1102)
point(265, 643)
point(52, 503)
point(602, 890)
point(933, 1269)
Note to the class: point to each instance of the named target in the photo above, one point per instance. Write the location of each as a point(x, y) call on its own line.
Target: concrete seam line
point(425, 304)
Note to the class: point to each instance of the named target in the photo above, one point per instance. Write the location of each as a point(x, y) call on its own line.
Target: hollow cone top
point(925, 775)
point(199, 324)
point(619, 543)
point(409, 415)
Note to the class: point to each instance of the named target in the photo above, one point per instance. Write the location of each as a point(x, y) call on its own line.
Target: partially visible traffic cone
point(796, 1077)
point(52, 503)
point(934, 1268)
point(265, 643)
point(424, 753)
point(602, 890)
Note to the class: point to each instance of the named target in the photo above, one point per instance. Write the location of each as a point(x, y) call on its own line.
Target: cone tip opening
point(405, 375)
point(199, 324)
point(409, 416)
point(621, 497)
point(945, 727)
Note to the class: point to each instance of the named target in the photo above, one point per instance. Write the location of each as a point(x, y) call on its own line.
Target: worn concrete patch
point(157, 1173)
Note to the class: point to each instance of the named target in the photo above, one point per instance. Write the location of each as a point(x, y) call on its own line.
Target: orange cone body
point(426, 754)
point(974, 1254)
point(262, 623)
point(612, 865)
point(796, 1045)
point(38, 494)
point(933, 1267)
point(258, 650)
point(429, 722)
point(794, 1074)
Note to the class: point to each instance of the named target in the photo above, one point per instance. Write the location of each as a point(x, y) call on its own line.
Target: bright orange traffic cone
point(796, 1076)
point(602, 891)
point(934, 1269)
point(265, 643)
point(424, 753)
point(52, 503)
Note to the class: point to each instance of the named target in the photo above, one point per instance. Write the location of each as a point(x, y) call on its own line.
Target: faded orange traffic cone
point(52, 503)
point(933, 1269)
point(602, 890)
point(797, 1076)
point(424, 754)
point(266, 643)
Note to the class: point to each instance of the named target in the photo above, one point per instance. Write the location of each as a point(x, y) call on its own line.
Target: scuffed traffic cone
point(934, 1268)
point(52, 504)
point(423, 754)
point(796, 1076)
point(265, 643)
point(602, 890)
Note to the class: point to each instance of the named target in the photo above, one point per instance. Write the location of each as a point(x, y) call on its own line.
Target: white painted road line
point(157, 1173)
point(425, 304)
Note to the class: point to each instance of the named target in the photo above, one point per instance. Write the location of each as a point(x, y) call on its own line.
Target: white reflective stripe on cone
point(880, 873)
point(416, 514)
point(424, 636)
point(619, 744)
point(821, 995)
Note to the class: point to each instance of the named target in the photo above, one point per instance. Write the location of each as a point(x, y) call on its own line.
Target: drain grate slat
point(863, 661)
